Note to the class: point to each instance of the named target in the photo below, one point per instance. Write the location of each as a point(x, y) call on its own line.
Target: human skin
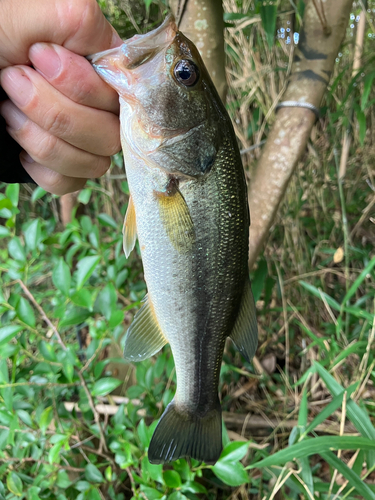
point(59, 110)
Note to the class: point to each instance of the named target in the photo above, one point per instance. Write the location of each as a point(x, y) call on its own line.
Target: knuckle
point(45, 149)
point(57, 122)
point(77, 13)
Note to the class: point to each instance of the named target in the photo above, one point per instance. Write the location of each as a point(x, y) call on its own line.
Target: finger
point(86, 128)
point(78, 25)
point(48, 179)
point(50, 151)
point(73, 76)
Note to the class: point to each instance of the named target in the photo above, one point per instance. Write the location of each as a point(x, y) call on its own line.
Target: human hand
point(60, 111)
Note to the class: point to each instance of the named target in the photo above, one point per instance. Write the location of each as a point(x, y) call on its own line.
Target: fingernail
point(17, 85)
point(26, 157)
point(45, 59)
point(13, 116)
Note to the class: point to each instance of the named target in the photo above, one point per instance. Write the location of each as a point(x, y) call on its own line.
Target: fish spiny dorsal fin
point(144, 337)
point(180, 433)
point(176, 218)
point(129, 229)
point(245, 331)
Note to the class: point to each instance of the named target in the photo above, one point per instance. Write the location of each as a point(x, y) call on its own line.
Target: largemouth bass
point(189, 208)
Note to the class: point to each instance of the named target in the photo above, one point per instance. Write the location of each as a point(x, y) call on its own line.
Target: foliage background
point(75, 420)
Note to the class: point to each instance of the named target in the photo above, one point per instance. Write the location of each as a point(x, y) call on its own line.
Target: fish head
point(170, 113)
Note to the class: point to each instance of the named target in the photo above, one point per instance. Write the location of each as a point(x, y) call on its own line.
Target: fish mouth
point(115, 65)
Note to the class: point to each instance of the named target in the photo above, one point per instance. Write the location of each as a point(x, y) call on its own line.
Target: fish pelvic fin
point(144, 337)
point(245, 331)
point(182, 434)
point(129, 229)
point(176, 218)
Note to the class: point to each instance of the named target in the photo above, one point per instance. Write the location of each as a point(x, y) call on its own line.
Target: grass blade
point(349, 294)
point(354, 480)
point(329, 409)
point(314, 446)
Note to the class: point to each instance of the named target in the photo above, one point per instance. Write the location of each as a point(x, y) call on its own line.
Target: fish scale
point(189, 209)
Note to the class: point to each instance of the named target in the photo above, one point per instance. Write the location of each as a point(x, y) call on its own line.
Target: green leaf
point(4, 232)
point(37, 194)
point(354, 480)
point(177, 495)
point(47, 351)
point(32, 493)
point(317, 445)
point(329, 409)
point(74, 316)
point(82, 298)
point(7, 333)
point(302, 414)
point(107, 220)
point(268, 14)
point(86, 267)
point(45, 419)
point(361, 118)
point(357, 283)
point(232, 474)
point(193, 487)
point(61, 277)
point(12, 192)
point(234, 451)
point(151, 493)
point(357, 415)
point(367, 86)
point(25, 312)
point(106, 300)
point(63, 480)
point(32, 234)
point(143, 434)
point(54, 452)
point(172, 479)
point(306, 474)
point(84, 196)
point(259, 278)
point(14, 484)
point(25, 417)
point(319, 293)
point(16, 249)
point(93, 474)
point(104, 386)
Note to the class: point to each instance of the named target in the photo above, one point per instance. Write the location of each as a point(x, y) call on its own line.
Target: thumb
point(77, 25)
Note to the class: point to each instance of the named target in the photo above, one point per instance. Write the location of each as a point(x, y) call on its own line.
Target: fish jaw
point(115, 65)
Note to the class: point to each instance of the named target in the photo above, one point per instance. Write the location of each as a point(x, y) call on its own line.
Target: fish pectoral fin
point(176, 219)
point(245, 331)
point(144, 337)
point(129, 229)
point(181, 433)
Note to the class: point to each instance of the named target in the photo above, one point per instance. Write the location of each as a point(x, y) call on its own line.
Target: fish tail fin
point(181, 434)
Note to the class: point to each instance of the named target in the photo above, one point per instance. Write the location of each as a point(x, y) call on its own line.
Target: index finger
point(73, 76)
point(77, 25)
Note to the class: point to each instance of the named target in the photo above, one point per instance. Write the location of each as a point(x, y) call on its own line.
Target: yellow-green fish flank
point(189, 210)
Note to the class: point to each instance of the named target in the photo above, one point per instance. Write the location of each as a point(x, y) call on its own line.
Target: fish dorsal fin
point(129, 229)
point(176, 219)
point(245, 331)
point(144, 337)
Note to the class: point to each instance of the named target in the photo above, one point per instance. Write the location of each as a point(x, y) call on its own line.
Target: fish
point(188, 207)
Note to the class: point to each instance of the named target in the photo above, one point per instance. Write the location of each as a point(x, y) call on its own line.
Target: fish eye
point(186, 72)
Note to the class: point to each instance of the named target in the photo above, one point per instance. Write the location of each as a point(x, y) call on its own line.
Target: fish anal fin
point(129, 229)
point(245, 331)
point(182, 434)
point(144, 337)
point(176, 219)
